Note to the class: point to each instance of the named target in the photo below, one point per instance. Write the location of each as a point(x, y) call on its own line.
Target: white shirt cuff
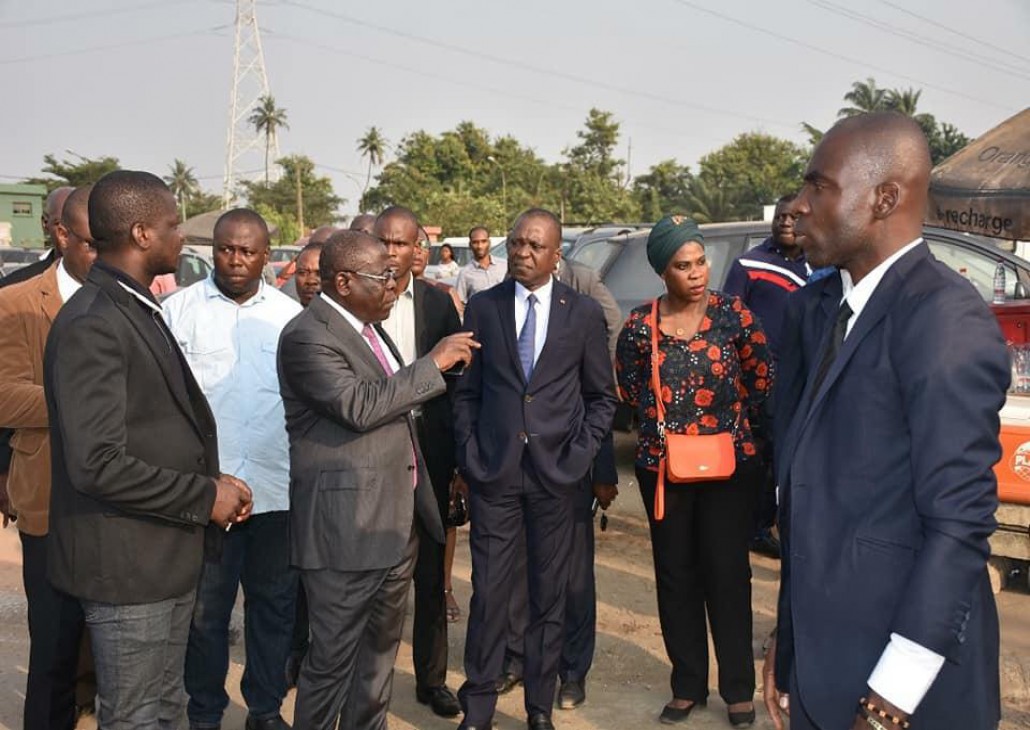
point(905, 672)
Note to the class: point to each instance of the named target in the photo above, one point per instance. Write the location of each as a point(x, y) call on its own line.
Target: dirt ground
point(629, 682)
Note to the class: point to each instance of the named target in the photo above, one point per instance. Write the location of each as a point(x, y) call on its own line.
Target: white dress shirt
point(66, 284)
point(359, 327)
point(906, 669)
point(400, 325)
point(231, 349)
point(543, 313)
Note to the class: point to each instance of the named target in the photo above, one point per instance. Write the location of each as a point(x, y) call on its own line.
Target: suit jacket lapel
point(352, 340)
point(50, 294)
point(556, 324)
point(506, 311)
point(160, 347)
point(421, 346)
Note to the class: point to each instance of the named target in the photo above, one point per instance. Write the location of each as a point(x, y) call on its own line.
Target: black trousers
point(497, 519)
point(577, 653)
point(56, 626)
point(701, 566)
point(429, 626)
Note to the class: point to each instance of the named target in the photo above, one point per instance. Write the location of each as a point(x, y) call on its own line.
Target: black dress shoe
point(540, 722)
point(571, 695)
point(742, 719)
point(765, 544)
point(675, 715)
point(441, 700)
point(507, 683)
point(268, 723)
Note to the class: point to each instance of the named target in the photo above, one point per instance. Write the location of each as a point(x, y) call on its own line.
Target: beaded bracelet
point(873, 722)
point(867, 706)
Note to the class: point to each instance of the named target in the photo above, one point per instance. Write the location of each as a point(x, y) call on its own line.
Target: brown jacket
point(27, 311)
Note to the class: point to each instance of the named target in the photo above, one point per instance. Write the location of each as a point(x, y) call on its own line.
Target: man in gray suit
point(356, 479)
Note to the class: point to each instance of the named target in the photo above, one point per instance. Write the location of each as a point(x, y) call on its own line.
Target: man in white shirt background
point(891, 377)
point(228, 327)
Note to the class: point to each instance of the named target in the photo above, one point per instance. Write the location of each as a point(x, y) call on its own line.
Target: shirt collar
point(129, 284)
point(66, 283)
point(476, 264)
point(771, 245)
point(354, 322)
point(858, 295)
point(543, 294)
point(212, 291)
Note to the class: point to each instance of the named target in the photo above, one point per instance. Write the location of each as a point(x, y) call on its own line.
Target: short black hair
point(789, 197)
point(343, 252)
point(311, 246)
point(448, 247)
point(119, 201)
point(539, 213)
point(238, 216)
point(77, 201)
point(484, 229)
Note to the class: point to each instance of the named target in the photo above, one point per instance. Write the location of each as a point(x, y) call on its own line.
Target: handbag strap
point(656, 386)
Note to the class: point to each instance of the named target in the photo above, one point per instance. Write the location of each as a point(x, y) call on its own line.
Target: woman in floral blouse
point(716, 372)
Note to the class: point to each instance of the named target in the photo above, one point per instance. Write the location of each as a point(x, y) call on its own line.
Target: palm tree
point(267, 119)
point(710, 202)
point(183, 184)
point(864, 97)
point(372, 146)
point(815, 135)
point(904, 101)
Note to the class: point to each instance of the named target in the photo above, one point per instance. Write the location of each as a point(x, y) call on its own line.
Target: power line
point(480, 56)
point(911, 37)
point(55, 19)
point(834, 54)
point(113, 46)
point(964, 35)
point(507, 93)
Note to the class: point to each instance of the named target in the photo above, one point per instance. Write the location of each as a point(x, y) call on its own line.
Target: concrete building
point(21, 207)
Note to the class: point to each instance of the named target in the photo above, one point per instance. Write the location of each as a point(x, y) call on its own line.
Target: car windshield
point(282, 255)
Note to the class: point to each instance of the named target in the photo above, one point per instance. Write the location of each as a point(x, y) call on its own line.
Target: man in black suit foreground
point(530, 416)
point(135, 461)
point(421, 317)
point(356, 480)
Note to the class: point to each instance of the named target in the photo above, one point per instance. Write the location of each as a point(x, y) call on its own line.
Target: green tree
point(277, 202)
point(372, 146)
point(592, 190)
point(710, 202)
point(268, 119)
point(73, 172)
point(864, 97)
point(183, 184)
point(665, 188)
point(752, 171)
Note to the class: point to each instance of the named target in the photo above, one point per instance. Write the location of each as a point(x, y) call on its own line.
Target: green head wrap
point(666, 238)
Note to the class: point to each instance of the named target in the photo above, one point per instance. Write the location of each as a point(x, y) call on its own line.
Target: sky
point(149, 81)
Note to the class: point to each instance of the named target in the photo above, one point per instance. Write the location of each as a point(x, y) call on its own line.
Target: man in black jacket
point(422, 316)
point(135, 460)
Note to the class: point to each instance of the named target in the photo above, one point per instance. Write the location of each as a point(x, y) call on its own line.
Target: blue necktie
point(527, 338)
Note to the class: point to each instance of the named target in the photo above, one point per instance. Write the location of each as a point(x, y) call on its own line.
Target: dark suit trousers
point(577, 653)
point(56, 628)
point(429, 628)
point(356, 621)
point(497, 520)
point(701, 564)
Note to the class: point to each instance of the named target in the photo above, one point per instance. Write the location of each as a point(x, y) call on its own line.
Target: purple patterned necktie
point(370, 334)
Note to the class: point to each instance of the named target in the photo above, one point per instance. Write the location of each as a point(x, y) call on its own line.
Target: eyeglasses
point(390, 275)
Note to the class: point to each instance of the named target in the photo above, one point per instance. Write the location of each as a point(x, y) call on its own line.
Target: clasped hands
point(233, 501)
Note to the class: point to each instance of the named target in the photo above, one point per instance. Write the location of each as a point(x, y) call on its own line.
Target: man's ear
point(888, 195)
point(140, 235)
point(342, 283)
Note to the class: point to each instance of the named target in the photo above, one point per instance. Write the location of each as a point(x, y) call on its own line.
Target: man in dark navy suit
point(530, 416)
point(891, 377)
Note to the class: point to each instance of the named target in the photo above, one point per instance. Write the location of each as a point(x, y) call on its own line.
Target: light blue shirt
point(231, 349)
point(543, 313)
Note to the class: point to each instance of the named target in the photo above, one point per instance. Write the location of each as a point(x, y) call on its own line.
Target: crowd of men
point(307, 446)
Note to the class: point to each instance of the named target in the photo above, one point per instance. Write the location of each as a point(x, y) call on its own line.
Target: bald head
point(865, 192)
point(74, 240)
point(321, 234)
point(346, 251)
point(52, 212)
point(75, 213)
point(364, 223)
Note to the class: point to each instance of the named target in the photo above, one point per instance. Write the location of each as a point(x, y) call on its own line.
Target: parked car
point(12, 259)
point(280, 256)
point(622, 262)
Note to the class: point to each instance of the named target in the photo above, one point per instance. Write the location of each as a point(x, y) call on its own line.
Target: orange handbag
point(685, 458)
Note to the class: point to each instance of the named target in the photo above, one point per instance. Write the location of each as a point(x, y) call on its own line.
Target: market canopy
point(985, 187)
